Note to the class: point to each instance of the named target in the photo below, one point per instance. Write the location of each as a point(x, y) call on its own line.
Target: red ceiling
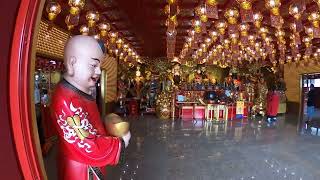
point(142, 22)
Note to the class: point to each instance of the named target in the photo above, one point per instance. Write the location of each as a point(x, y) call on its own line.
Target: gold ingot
point(74, 10)
point(246, 5)
point(115, 126)
point(275, 11)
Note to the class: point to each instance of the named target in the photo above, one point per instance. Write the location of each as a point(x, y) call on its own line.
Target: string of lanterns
point(171, 10)
point(115, 44)
point(230, 42)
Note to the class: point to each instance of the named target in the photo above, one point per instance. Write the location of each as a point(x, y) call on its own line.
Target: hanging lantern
point(280, 35)
point(257, 19)
point(246, 10)
point(201, 11)
point(221, 25)
point(309, 31)
point(211, 8)
point(104, 28)
point(244, 27)
point(314, 18)
point(84, 30)
point(76, 6)
point(72, 21)
point(119, 43)
point(196, 25)
point(232, 16)
point(213, 35)
point(296, 11)
point(308, 44)
point(263, 32)
point(113, 36)
point(53, 9)
point(274, 7)
point(92, 17)
point(318, 3)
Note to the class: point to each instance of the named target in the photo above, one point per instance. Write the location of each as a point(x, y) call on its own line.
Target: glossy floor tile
point(198, 150)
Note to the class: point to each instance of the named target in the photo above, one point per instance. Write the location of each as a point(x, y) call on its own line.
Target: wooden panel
point(51, 40)
point(292, 74)
point(110, 66)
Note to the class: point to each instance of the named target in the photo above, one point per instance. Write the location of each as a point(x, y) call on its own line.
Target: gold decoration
point(314, 18)
point(257, 19)
point(53, 9)
point(92, 17)
point(76, 6)
point(232, 15)
point(104, 28)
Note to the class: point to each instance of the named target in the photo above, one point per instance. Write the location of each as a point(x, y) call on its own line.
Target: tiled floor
point(195, 150)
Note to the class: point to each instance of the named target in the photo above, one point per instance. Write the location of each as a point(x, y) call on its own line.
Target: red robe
point(83, 144)
point(273, 100)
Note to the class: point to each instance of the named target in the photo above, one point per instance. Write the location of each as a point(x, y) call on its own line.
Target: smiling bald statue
point(84, 147)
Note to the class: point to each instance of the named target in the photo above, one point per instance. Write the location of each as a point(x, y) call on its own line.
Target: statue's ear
point(70, 65)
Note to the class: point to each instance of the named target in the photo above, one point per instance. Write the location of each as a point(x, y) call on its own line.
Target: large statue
point(84, 147)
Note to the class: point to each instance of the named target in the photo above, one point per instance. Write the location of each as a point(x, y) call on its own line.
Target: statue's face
point(87, 67)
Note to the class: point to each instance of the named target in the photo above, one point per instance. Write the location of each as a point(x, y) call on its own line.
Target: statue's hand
point(126, 138)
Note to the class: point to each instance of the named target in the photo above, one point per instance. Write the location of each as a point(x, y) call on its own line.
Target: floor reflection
point(200, 150)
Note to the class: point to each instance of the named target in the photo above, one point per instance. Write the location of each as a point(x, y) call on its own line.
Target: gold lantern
point(104, 28)
point(318, 2)
point(84, 30)
point(280, 35)
point(232, 15)
point(257, 19)
point(76, 6)
point(201, 11)
point(274, 7)
point(244, 27)
point(53, 9)
point(211, 9)
point(314, 18)
point(92, 17)
point(221, 25)
point(72, 21)
point(263, 32)
point(113, 36)
point(246, 10)
point(119, 43)
point(213, 35)
point(197, 25)
point(296, 11)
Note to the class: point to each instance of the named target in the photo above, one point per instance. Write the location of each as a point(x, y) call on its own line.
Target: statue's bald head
point(81, 55)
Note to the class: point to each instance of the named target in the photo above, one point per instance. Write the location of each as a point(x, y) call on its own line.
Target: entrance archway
point(22, 112)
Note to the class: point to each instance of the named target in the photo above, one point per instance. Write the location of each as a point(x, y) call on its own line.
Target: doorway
point(310, 104)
